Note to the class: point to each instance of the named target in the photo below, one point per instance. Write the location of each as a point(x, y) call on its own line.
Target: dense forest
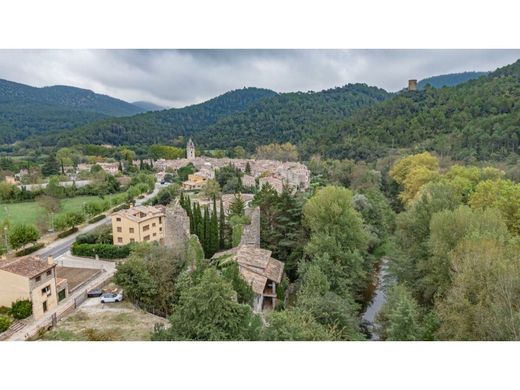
point(26, 110)
point(247, 117)
point(449, 80)
point(476, 120)
point(161, 126)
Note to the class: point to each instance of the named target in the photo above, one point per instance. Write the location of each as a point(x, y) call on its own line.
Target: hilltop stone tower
point(176, 229)
point(190, 150)
point(412, 85)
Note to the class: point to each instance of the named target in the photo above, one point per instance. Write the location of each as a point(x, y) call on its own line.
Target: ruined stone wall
point(176, 229)
point(251, 232)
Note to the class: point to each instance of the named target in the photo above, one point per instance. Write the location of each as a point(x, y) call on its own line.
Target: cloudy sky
point(176, 78)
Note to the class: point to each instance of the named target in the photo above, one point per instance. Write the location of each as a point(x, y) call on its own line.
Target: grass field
point(28, 212)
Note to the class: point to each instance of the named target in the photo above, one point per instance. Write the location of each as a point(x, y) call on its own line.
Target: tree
point(51, 166)
point(223, 228)
point(400, 318)
point(338, 240)
point(237, 206)
point(49, 203)
point(211, 189)
point(413, 172)
point(482, 302)
point(21, 235)
point(208, 310)
point(53, 187)
point(295, 325)
point(338, 314)
point(68, 220)
point(281, 152)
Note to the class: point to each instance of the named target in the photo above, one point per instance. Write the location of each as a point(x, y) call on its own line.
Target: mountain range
point(475, 117)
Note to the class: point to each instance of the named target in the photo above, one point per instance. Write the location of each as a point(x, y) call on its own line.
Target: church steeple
point(190, 150)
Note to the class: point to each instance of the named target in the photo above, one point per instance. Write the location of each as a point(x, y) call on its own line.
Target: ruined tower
point(176, 229)
point(412, 85)
point(190, 150)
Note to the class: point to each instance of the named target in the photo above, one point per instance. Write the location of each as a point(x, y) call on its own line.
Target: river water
point(377, 302)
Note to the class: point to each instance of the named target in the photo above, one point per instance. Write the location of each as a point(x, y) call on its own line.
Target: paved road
point(60, 247)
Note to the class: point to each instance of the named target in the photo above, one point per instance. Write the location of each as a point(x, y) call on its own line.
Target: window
point(46, 290)
point(146, 228)
point(132, 240)
point(62, 295)
point(154, 234)
point(49, 273)
point(153, 224)
point(118, 219)
point(160, 229)
point(160, 220)
point(44, 306)
point(146, 238)
point(38, 278)
point(119, 239)
point(119, 229)
point(131, 230)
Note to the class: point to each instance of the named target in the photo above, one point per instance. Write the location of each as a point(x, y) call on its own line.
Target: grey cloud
point(176, 78)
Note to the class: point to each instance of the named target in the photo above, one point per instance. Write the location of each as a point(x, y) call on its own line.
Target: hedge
point(104, 251)
point(21, 309)
point(68, 232)
point(97, 219)
point(122, 207)
point(29, 250)
point(5, 323)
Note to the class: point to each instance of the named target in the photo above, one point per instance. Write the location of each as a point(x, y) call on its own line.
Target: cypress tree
point(206, 231)
point(222, 226)
point(214, 233)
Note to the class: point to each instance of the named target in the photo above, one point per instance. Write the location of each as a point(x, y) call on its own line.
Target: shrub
point(104, 251)
point(29, 250)
point(122, 207)
point(97, 219)
point(68, 232)
point(100, 235)
point(4, 310)
point(5, 323)
point(21, 309)
point(100, 335)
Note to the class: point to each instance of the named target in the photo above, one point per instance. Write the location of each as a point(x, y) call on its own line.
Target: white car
point(111, 297)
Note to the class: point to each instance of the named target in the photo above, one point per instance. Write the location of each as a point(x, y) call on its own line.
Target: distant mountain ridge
point(148, 106)
point(26, 110)
point(449, 80)
point(246, 117)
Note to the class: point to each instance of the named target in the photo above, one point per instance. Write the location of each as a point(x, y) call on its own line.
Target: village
point(57, 287)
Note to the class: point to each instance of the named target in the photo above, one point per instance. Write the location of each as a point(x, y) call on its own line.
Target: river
point(377, 302)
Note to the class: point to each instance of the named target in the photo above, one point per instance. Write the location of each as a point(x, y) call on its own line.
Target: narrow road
point(60, 247)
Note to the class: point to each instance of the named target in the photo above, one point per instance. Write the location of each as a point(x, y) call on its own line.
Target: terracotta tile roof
point(141, 213)
point(28, 266)
point(256, 265)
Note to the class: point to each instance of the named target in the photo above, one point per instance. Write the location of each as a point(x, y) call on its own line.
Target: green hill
point(26, 110)
point(476, 120)
point(246, 117)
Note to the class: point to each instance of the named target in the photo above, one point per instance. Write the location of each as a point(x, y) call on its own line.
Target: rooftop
point(256, 265)
point(139, 213)
point(28, 266)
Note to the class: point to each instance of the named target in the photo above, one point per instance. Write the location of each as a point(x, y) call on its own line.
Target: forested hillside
point(26, 110)
point(162, 126)
point(289, 117)
point(477, 120)
point(449, 80)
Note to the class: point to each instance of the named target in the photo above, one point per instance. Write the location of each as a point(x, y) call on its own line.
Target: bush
point(29, 250)
point(68, 232)
point(97, 219)
point(122, 207)
point(100, 235)
point(21, 309)
point(5, 323)
point(104, 251)
point(4, 310)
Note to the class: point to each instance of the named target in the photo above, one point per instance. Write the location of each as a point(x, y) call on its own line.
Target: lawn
point(28, 212)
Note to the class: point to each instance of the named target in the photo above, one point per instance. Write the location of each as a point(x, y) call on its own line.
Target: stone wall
point(251, 232)
point(176, 229)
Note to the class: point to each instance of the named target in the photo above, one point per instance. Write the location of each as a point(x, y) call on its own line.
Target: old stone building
point(176, 229)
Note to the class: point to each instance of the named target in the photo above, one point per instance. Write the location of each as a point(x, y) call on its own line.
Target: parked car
point(97, 292)
point(111, 297)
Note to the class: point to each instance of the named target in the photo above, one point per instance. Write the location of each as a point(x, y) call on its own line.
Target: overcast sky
point(176, 78)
